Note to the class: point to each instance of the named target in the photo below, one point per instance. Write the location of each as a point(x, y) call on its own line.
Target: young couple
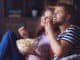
point(56, 33)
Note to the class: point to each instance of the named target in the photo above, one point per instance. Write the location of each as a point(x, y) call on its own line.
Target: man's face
point(59, 15)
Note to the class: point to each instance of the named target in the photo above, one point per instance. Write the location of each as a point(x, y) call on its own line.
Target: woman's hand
point(23, 32)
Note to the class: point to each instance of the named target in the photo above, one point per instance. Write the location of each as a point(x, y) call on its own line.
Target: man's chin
point(59, 23)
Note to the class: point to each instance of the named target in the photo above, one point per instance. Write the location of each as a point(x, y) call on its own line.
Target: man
point(66, 42)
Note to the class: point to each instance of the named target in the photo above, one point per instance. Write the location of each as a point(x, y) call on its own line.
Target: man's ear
point(68, 17)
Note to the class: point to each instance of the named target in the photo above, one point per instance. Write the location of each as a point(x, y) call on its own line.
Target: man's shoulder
point(71, 34)
point(72, 28)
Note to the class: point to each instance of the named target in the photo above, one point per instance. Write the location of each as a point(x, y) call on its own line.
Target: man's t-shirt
point(71, 35)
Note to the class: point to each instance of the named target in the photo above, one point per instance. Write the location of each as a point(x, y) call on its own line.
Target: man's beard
point(58, 23)
point(56, 27)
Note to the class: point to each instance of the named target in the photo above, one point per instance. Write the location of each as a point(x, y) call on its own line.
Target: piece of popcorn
point(26, 45)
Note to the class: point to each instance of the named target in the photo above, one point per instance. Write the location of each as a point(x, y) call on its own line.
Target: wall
point(13, 23)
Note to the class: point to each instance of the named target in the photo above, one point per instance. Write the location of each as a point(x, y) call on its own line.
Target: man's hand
point(48, 24)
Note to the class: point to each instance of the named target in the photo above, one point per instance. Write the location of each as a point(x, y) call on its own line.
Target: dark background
point(23, 8)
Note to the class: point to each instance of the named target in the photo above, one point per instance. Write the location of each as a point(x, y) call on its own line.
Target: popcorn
point(26, 45)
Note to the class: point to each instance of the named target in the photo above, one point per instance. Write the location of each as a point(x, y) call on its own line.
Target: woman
point(42, 51)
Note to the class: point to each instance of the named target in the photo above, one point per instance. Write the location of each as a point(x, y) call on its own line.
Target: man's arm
point(59, 48)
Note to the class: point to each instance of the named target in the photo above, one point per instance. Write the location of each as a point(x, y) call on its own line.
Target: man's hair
point(68, 8)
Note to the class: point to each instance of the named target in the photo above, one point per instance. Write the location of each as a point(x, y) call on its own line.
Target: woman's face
point(47, 14)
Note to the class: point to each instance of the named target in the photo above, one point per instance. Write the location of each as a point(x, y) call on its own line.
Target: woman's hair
point(40, 29)
point(20, 25)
